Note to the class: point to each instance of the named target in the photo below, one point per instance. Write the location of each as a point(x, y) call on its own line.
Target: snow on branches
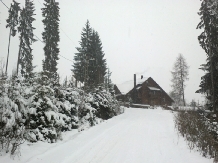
point(38, 109)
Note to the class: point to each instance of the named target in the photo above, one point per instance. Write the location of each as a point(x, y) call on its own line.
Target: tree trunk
point(18, 59)
point(212, 81)
point(182, 77)
point(183, 95)
point(8, 52)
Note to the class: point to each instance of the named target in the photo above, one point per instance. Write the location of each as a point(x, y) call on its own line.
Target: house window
point(152, 92)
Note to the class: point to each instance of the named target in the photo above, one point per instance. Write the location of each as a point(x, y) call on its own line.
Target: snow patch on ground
point(137, 136)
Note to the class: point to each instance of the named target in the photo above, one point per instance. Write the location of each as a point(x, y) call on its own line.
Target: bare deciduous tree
point(179, 76)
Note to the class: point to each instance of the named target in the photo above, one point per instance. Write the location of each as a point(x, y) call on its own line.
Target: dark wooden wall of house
point(116, 90)
point(154, 97)
point(119, 95)
point(150, 97)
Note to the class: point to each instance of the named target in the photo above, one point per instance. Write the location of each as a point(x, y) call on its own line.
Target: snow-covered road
point(137, 136)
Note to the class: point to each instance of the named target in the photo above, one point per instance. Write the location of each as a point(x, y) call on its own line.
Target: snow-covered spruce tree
point(83, 110)
point(90, 64)
point(12, 22)
point(97, 66)
point(81, 59)
point(208, 41)
point(96, 106)
point(67, 104)
point(105, 104)
point(51, 36)
point(92, 78)
point(25, 28)
point(179, 76)
point(86, 113)
point(45, 122)
point(12, 116)
point(73, 96)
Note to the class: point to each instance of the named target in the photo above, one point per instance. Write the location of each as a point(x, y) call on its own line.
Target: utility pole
point(18, 59)
point(8, 52)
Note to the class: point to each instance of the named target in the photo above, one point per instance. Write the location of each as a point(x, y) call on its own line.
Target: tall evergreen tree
point(209, 41)
point(51, 36)
point(80, 67)
point(179, 76)
point(90, 65)
point(12, 22)
point(25, 56)
point(99, 66)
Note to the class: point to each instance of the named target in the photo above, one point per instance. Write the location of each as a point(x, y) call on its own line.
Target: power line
point(41, 40)
point(62, 30)
point(59, 54)
point(67, 36)
point(40, 3)
point(4, 4)
point(66, 58)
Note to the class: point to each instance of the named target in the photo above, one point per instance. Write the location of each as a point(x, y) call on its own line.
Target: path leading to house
point(137, 136)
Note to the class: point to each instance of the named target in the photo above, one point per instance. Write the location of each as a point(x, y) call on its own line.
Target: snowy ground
point(137, 136)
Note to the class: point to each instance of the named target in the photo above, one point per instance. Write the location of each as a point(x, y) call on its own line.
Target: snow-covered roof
point(138, 87)
point(154, 88)
point(128, 85)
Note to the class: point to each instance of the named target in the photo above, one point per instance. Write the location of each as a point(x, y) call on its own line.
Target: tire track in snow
point(108, 145)
point(113, 143)
point(98, 142)
point(139, 135)
point(53, 147)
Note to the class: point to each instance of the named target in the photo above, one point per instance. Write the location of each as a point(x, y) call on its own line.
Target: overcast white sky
point(138, 36)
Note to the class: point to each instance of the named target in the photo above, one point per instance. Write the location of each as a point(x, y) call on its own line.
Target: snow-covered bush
point(12, 119)
point(199, 131)
point(106, 104)
point(45, 122)
point(39, 109)
point(67, 100)
point(86, 113)
point(97, 106)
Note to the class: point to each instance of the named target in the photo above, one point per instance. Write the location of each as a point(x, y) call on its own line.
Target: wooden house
point(143, 91)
